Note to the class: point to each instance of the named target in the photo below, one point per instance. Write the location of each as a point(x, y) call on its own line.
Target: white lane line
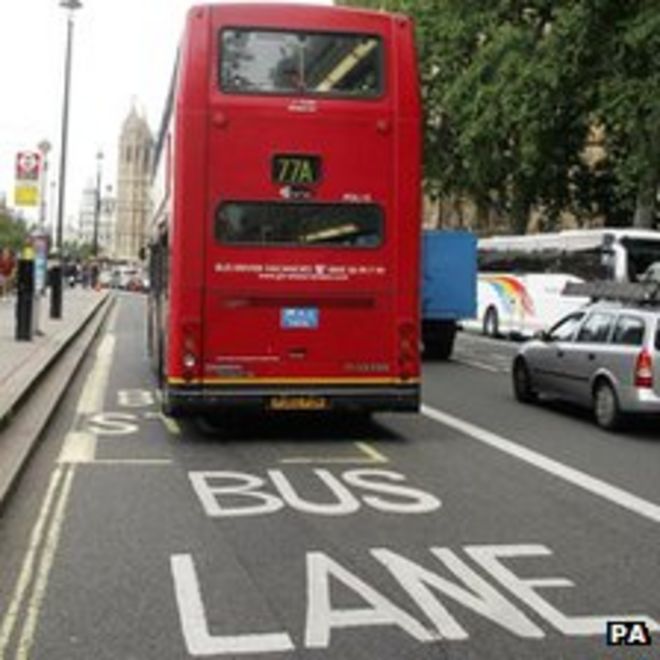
point(43, 571)
point(132, 461)
point(25, 575)
point(598, 487)
point(478, 365)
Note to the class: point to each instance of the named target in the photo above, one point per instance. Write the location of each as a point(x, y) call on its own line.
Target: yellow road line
point(170, 423)
point(371, 452)
point(372, 456)
point(43, 571)
point(25, 576)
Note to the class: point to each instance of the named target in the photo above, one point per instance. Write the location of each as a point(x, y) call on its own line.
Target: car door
point(589, 354)
point(546, 354)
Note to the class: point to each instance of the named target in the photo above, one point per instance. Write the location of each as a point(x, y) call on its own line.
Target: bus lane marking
point(593, 485)
point(446, 577)
point(438, 588)
point(368, 456)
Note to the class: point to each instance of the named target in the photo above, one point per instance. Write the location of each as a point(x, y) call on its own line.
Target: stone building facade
point(133, 180)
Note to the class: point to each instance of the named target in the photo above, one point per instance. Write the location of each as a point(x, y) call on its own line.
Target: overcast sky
point(123, 50)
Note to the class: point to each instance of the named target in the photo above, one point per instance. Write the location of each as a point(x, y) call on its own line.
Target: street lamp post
point(97, 205)
point(56, 271)
point(44, 148)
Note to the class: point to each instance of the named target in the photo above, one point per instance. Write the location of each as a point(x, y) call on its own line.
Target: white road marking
point(133, 461)
point(194, 623)
point(25, 575)
point(623, 498)
point(478, 365)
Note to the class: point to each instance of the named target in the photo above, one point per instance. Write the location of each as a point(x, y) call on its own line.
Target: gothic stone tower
point(133, 178)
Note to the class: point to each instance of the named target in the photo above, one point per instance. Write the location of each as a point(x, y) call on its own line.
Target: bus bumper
point(184, 399)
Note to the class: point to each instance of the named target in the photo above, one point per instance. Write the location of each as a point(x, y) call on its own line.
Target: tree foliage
point(515, 89)
point(13, 232)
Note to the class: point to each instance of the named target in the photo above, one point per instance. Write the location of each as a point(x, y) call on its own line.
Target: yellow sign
point(26, 195)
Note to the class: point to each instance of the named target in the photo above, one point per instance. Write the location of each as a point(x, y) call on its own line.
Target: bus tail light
point(408, 350)
point(189, 359)
point(644, 370)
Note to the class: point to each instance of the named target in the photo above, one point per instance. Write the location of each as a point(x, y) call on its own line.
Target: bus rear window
point(274, 62)
point(299, 224)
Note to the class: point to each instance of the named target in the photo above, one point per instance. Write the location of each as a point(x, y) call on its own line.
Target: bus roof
point(570, 240)
point(265, 10)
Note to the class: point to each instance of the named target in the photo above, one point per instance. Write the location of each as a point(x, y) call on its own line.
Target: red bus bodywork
point(220, 315)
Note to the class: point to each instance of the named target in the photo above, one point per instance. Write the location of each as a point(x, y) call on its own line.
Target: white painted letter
point(209, 495)
point(199, 640)
point(345, 504)
point(487, 556)
point(421, 502)
point(321, 617)
point(135, 398)
point(113, 424)
point(481, 597)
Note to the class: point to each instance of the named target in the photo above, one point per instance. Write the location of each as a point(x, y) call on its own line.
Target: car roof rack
point(641, 293)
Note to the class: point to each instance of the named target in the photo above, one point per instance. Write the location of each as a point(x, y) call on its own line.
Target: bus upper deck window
point(276, 62)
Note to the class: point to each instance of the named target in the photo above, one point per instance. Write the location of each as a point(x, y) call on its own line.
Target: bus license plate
point(298, 403)
point(305, 318)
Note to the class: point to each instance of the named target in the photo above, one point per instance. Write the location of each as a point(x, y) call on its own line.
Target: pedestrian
point(7, 268)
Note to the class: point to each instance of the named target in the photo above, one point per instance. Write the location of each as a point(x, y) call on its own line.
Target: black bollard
point(55, 281)
point(24, 299)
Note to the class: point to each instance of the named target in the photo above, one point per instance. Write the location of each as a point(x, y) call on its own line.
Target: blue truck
point(449, 288)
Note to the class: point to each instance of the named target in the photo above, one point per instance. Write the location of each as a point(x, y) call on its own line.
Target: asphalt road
point(481, 529)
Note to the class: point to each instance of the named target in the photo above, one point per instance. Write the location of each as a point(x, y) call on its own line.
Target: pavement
point(26, 367)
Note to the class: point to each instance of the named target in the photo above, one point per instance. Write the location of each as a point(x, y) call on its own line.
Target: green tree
point(514, 88)
point(13, 232)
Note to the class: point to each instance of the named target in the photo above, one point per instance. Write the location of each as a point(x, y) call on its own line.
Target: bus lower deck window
point(255, 223)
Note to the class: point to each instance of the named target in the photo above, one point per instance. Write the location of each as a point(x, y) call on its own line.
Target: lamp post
point(97, 205)
point(56, 271)
point(44, 148)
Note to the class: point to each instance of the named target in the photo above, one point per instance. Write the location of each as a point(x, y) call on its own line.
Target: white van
point(521, 305)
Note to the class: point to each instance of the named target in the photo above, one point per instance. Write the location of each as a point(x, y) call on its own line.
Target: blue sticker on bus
point(300, 317)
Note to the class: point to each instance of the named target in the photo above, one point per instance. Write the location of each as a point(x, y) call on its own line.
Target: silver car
point(605, 356)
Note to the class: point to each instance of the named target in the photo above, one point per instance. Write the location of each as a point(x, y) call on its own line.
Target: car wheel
point(491, 323)
point(522, 382)
point(606, 406)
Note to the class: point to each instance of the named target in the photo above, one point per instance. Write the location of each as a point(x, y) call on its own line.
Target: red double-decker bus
point(284, 247)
